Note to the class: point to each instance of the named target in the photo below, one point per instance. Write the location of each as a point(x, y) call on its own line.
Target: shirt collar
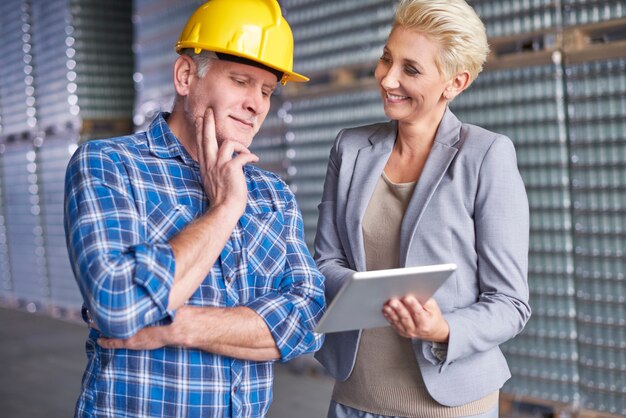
point(163, 143)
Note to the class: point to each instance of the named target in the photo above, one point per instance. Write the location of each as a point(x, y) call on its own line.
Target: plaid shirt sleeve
point(294, 308)
point(125, 281)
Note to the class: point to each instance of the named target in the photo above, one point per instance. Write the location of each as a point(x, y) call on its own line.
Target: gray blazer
point(469, 207)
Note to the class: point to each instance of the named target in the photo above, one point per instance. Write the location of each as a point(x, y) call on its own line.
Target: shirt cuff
point(436, 353)
point(284, 322)
point(154, 271)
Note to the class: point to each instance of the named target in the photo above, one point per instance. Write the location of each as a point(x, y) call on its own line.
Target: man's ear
point(184, 71)
point(457, 84)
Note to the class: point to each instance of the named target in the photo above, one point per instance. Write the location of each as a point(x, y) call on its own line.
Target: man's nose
point(254, 102)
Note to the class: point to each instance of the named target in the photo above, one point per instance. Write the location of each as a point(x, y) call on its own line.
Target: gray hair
point(202, 60)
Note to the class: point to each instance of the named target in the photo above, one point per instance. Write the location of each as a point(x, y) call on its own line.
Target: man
point(191, 262)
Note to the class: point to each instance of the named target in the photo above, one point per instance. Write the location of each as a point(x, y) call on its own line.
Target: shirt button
point(235, 389)
point(228, 279)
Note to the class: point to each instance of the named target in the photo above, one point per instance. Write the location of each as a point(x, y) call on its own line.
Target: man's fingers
point(209, 153)
point(146, 339)
point(111, 343)
point(200, 141)
point(210, 139)
point(246, 158)
point(206, 140)
point(234, 152)
point(228, 148)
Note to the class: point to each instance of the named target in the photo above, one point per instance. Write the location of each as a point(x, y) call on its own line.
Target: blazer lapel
point(441, 156)
point(369, 164)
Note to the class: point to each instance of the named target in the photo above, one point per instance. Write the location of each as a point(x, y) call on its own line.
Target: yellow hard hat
point(252, 29)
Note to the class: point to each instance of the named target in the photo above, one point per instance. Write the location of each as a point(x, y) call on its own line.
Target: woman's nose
point(389, 79)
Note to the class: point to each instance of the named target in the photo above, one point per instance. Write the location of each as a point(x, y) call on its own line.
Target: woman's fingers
point(400, 318)
point(412, 319)
point(415, 308)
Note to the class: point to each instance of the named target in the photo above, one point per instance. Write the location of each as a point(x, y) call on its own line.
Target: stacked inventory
point(17, 121)
point(330, 34)
point(580, 12)
point(314, 124)
point(597, 114)
point(510, 17)
point(269, 143)
point(67, 67)
point(6, 285)
point(17, 88)
point(52, 158)
point(84, 65)
point(54, 79)
point(24, 231)
point(157, 24)
point(573, 350)
point(527, 104)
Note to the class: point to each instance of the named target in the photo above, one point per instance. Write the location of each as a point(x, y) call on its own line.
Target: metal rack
point(597, 115)
point(512, 17)
point(6, 282)
point(66, 70)
point(52, 158)
point(17, 86)
point(24, 233)
point(313, 125)
point(579, 12)
point(157, 25)
point(555, 84)
point(331, 34)
point(528, 105)
point(84, 63)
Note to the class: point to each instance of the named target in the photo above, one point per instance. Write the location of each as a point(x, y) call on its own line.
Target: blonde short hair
point(455, 26)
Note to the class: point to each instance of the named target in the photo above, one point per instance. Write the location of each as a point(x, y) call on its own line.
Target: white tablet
point(359, 302)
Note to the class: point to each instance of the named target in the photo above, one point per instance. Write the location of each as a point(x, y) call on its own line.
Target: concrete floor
point(42, 361)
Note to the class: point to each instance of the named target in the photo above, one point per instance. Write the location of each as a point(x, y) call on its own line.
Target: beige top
point(386, 379)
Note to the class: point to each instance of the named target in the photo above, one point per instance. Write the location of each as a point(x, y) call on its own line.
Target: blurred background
point(74, 70)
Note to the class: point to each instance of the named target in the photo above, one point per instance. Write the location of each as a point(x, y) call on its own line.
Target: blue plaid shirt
point(125, 198)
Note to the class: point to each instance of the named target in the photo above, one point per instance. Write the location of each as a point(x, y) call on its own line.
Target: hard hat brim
point(294, 77)
point(288, 76)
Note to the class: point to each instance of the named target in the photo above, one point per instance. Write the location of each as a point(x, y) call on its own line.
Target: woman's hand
point(411, 319)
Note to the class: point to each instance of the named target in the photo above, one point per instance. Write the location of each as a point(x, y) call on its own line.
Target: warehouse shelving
point(555, 83)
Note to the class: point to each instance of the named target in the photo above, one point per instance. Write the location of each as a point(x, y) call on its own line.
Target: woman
point(424, 189)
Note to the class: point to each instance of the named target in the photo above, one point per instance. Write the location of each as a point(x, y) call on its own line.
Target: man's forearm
point(235, 332)
point(196, 248)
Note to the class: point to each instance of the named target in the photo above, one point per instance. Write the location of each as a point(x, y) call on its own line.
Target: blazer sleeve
point(330, 255)
point(501, 218)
